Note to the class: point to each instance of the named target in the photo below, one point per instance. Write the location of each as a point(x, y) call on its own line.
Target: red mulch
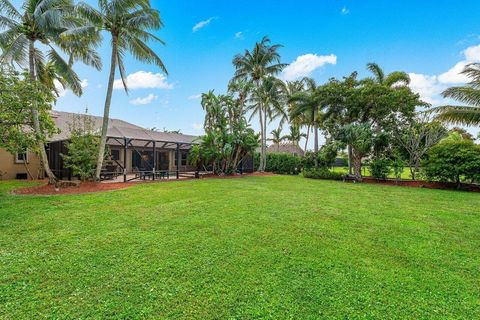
point(88, 187)
point(84, 187)
point(424, 184)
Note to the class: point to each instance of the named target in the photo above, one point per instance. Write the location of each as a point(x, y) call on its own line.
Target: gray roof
point(116, 129)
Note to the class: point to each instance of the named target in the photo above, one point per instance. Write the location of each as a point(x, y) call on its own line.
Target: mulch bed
point(85, 187)
point(88, 187)
point(424, 184)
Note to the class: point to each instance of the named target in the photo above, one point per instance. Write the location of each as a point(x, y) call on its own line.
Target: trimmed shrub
point(283, 163)
point(322, 173)
point(379, 168)
point(453, 160)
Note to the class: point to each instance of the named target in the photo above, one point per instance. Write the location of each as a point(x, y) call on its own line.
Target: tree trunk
point(260, 166)
point(349, 148)
point(306, 139)
point(315, 128)
point(36, 122)
point(106, 110)
point(265, 138)
point(357, 165)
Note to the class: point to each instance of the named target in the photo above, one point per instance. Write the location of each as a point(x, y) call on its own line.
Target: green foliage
point(398, 166)
point(17, 94)
point(228, 138)
point(82, 148)
point(282, 163)
point(453, 160)
point(380, 168)
point(326, 156)
point(322, 173)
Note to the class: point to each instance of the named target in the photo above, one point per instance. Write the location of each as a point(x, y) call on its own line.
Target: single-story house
point(133, 151)
point(287, 147)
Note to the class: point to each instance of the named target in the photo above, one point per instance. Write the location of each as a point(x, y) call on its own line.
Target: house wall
point(9, 169)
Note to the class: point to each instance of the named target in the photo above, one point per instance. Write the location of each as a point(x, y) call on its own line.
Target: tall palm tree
point(128, 22)
point(469, 94)
point(255, 66)
point(44, 22)
point(268, 102)
point(276, 138)
point(309, 103)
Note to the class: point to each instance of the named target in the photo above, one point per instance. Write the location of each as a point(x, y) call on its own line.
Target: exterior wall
point(9, 169)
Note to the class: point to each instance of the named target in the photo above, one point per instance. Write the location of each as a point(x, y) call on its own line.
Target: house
point(288, 147)
point(134, 151)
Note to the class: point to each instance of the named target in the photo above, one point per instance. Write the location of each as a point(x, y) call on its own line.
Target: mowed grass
point(249, 248)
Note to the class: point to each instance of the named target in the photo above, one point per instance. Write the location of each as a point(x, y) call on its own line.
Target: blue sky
point(431, 40)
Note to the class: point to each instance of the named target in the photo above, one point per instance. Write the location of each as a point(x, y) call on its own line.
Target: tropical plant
point(82, 147)
point(277, 138)
point(43, 22)
point(394, 79)
point(18, 94)
point(380, 168)
point(360, 137)
point(256, 67)
point(469, 94)
point(267, 101)
point(307, 104)
point(417, 138)
point(227, 140)
point(294, 135)
point(452, 160)
point(129, 23)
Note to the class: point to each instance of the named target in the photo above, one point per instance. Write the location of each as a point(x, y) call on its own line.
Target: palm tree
point(127, 22)
point(42, 22)
point(308, 104)
point(276, 138)
point(256, 66)
point(295, 134)
point(396, 78)
point(268, 102)
point(469, 94)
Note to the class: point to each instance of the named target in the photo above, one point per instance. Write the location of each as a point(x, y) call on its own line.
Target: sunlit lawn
point(254, 247)
point(366, 172)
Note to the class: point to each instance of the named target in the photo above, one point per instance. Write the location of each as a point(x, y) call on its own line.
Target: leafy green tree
point(295, 134)
point(256, 67)
point(82, 148)
point(468, 114)
point(277, 137)
point(360, 137)
point(42, 22)
point(17, 94)
point(452, 160)
point(128, 22)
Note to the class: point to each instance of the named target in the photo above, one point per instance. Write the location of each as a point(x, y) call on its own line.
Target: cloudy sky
point(431, 40)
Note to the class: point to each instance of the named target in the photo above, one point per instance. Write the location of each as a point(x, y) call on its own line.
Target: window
point(184, 158)
point(115, 154)
point(21, 157)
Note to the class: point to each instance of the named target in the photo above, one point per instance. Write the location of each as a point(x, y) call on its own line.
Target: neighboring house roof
point(291, 148)
point(116, 129)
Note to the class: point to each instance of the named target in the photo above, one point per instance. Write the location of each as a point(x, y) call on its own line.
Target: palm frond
point(460, 115)
point(464, 94)
point(121, 69)
point(9, 9)
point(397, 78)
point(144, 53)
point(376, 71)
point(65, 72)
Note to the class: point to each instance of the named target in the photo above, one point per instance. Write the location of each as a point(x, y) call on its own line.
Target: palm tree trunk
point(306, 139)
point(261, 140)
point(36, 122)
point(265, 139)
point(106, 110)
point(357, 165)
point(315, 128)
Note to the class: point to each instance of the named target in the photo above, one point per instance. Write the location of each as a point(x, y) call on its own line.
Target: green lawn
point(256, 247)
point(406, 175)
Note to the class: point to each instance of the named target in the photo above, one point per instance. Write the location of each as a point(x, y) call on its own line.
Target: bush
point(322, 173)
point(281, 163)
point(326, 156)
point(379, 168)
point(452, 160)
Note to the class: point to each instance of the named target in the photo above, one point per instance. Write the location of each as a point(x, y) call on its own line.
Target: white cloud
point(345, 10)
point(194, 97)
point(305, 64)
point(427, 87)
point(145, 100)
point(144, 80)
point(239, 35)
point(454, 76)
point(202, 24)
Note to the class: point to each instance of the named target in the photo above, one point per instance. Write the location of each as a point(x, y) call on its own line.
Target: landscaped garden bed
point(424, 184)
